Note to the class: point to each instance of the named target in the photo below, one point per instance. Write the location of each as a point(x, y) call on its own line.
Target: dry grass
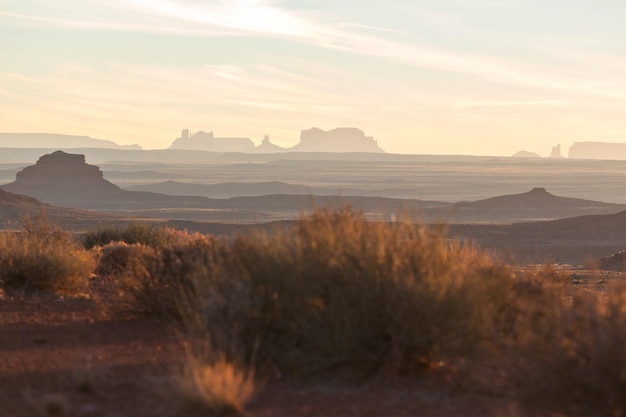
point(135, 233)
point(337, 293)
point(42, 258)
point(217, 387)
point(574, 359)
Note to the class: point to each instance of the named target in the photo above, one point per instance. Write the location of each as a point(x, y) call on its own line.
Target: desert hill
point(576, 240)
point(14, 208)
point(50, 140)
point(536, 204)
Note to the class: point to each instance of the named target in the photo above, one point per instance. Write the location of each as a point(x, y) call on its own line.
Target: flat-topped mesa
point(61, 166)
point(343, 139)
point(58, 174)
point(206, 141)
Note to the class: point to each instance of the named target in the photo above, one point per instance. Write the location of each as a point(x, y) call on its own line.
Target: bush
point(153, 281)
point(335, 292)
point(574, 361)
point(43, 258)
point(148, 235)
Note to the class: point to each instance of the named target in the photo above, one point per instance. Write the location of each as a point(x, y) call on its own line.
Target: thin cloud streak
point(265, 18)
point(512, 103)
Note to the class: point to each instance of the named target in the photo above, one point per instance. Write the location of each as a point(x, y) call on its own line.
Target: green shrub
point(43, 258)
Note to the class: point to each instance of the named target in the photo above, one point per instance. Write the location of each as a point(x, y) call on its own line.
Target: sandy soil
point(66, 353)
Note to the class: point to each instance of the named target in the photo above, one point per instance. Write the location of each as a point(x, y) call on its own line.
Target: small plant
point(215, 388)
point(41, 257)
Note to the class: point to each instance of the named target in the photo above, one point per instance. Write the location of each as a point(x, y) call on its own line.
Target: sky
point(476, 77)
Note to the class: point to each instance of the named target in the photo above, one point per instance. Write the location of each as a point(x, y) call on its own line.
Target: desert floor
point(61, 356)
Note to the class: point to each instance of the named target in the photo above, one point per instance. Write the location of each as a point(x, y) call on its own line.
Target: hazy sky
point(484, 77)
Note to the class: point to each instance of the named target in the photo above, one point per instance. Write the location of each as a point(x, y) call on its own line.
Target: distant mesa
point(50, 140)
point(343, 139)
point(556, 152)
point(59, 177)
point(206, 141)
point(598, 150)
point(526, 154)
point(65, 180)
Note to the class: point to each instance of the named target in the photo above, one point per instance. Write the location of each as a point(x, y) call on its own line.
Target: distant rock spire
point(556, 152)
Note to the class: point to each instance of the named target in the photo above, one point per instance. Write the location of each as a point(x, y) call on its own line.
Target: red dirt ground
point(65, 352)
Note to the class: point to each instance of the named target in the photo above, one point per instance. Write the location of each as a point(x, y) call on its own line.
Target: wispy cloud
point(273, 19)
point(510, 103)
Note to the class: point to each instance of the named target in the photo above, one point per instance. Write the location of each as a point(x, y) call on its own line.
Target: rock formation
point(598, 150)
point(64, 179)
point(206, 141)
point(344, 139)
point(556, 152)
point(60, 178)
point(268, 147)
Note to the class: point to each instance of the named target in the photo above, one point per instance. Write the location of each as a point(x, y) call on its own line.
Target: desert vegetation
point(339, 296)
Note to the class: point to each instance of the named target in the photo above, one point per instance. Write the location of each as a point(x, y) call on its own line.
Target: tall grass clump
point(43, 258)
point(336, 292)
point(212, 385)
point(134, 233)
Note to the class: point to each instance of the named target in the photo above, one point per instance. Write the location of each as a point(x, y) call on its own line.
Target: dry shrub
point(217, 387)
point(43, 258)
point(153, 281)
point(336, 292)
point(574, 360)
point(135, 233)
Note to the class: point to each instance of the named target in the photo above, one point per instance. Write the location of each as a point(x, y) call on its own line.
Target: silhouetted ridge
point(538, 197)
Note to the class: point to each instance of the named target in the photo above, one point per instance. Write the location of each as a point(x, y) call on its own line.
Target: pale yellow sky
point(446, 77)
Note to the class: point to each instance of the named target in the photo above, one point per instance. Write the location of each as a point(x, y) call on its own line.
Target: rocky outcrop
point(343, 139)
point(268, 147)
point(61, 178)
point(556, 152)
point(598, 150)
point(50, 140)
point(206, 141)
point(65, 180)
